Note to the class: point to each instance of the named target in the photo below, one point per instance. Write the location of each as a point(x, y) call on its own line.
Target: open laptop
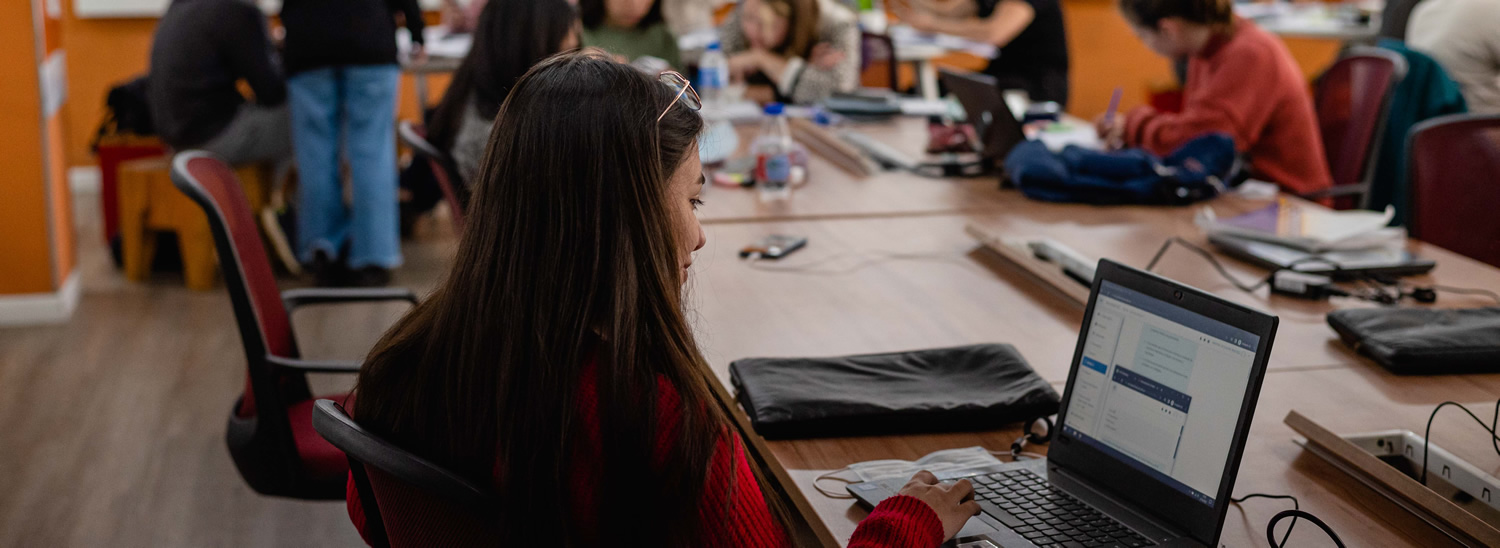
point(994, 123)
point(1151, 429)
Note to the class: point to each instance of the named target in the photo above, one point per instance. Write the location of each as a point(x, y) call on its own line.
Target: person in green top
point(628, 29)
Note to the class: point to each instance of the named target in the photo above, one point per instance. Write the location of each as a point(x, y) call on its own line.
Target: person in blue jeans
point(341, 58)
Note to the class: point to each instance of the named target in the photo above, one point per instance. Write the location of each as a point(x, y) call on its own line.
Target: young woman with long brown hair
point(805, 50)
point(555, 361)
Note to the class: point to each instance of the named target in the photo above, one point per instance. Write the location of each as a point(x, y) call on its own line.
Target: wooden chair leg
point(138, 245)
point(200, 264)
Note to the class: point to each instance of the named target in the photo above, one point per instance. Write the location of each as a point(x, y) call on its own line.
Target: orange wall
point(105, 52)
point(102, 53)
point(25, 255)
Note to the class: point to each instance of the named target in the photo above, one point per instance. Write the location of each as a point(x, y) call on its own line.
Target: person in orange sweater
point(1241, 81)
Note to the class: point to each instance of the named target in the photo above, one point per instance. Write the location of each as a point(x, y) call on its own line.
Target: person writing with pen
point(1241, 81)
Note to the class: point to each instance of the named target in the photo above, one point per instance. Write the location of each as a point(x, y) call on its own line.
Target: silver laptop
point(1152, 426)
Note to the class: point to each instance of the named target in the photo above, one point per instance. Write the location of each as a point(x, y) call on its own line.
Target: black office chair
point(444, 170)
point(407, 500)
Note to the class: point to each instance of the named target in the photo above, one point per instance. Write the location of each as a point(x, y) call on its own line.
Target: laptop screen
point(1161, 388)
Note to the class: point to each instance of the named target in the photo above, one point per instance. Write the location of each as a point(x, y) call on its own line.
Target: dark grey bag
point(978, 387)
point(1423, 341)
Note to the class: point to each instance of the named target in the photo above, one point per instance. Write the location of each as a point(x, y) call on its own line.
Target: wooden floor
point(112, 425)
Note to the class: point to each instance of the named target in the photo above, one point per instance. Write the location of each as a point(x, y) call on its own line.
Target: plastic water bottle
point(713, 74)
point(773, 155)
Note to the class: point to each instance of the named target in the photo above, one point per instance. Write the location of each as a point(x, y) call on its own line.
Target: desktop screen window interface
point(1160, 388)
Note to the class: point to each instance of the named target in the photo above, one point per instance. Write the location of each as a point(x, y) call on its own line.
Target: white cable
point(833, 476)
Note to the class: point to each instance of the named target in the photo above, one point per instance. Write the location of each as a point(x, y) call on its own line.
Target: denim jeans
point(348, 113)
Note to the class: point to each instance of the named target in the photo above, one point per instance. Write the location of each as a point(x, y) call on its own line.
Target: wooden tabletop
point(889, 267)
point(831, 193)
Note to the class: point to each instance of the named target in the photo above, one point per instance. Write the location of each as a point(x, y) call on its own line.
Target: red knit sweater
point(734, 514)
point(1245, 84)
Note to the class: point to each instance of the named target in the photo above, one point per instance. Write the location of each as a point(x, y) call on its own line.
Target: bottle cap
point(774, 109)
point(713, 46)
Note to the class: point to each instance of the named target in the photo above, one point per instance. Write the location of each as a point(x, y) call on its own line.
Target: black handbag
point(978, 387)
point(1423, 341)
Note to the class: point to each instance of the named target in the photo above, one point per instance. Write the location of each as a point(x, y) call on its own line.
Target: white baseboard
point(84, 179)
point(41, 308)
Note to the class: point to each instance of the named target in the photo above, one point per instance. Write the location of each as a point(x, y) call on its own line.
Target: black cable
point(1295, 506)
point(1294, 514)
point(1211, 260)
point(1427, 435)
point(1468, 291)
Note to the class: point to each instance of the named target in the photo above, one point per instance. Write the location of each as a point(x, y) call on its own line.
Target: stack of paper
point(1307, 227)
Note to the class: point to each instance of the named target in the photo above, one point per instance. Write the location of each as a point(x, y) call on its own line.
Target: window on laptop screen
point(1161, 388)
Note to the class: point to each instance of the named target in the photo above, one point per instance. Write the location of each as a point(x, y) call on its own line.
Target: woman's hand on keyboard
point(954, 503)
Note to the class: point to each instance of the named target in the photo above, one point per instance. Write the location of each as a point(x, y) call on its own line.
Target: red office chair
point(407, 500)
point(1454, 164)
point(443, 169)
point(270, 428)
point(1353, 100)
point(878, 48)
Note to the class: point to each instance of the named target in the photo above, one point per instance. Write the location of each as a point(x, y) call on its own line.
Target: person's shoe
point(370, 276)
point(328, 272)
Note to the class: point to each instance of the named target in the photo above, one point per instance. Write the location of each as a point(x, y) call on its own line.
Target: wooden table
point(899, 283)
point(889, 267)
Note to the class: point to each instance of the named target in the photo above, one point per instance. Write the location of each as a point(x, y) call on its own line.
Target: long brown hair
point(511, 36)
point(569, 257)
point(802, 25)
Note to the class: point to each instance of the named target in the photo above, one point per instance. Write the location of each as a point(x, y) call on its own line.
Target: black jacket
point(329, 33)
point(201, 48)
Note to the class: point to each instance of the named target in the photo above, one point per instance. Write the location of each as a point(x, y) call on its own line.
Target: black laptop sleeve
point(978, 387)
point(1423, 341)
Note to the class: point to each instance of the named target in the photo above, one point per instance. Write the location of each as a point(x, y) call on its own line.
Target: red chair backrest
point(1455, 184)
point(1352, 101)
point(264, 325)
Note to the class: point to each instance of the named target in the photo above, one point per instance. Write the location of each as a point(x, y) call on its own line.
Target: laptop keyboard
point(1027, 504)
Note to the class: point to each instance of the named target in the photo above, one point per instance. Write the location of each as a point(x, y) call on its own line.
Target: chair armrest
point(314, 366)
point(295, 298)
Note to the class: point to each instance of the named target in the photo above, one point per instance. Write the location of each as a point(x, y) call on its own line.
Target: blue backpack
point(1199, 169)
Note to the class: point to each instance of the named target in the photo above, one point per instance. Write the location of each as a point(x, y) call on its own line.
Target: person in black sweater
point(341, 57)
point(201, 48)
point(1031, 36)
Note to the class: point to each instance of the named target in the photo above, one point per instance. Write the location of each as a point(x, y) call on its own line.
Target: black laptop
point(1151, 430)
point(994, 123)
